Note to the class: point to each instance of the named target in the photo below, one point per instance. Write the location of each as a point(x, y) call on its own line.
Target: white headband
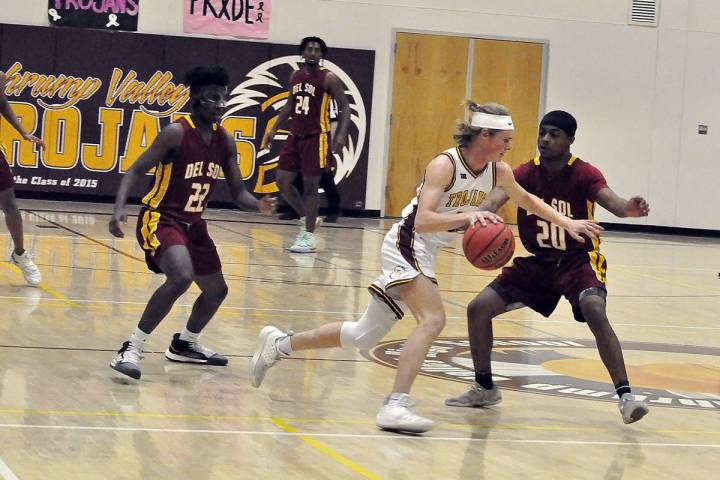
point(489, 120)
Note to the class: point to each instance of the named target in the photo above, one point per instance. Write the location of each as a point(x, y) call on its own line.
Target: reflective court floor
point(64, 414)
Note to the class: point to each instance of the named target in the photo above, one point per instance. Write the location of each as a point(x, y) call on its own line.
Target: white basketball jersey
point(465, 193)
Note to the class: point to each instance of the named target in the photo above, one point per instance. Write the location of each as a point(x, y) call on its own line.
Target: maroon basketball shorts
point(6, 175)
point(156, 232)
point(539, 283)
point(308, 155)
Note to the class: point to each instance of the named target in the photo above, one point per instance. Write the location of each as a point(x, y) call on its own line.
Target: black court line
point(445, 300)
point(255, 222)
point(288, 282)
point(106, 350)
point(606, 240)
point(80, 234)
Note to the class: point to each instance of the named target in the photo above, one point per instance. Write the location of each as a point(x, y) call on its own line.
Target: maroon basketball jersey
point(572, 192)
point(311, 111)
point(182, 186)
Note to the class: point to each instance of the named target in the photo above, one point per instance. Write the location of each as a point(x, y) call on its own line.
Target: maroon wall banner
point(98, 99)
point(104, 14)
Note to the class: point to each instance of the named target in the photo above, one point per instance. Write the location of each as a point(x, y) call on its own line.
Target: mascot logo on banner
point(262, 87)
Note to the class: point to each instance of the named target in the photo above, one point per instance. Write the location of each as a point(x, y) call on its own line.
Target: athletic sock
point(138, 338)
point(188, 336)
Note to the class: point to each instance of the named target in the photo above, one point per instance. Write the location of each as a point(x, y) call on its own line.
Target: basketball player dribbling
point(19, 257)
point(188, 156)
point(559, 266)
point(448, 198)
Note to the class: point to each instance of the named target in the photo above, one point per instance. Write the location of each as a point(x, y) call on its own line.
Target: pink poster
point(237, 18)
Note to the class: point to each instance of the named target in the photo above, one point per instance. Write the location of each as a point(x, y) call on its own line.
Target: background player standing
point(307, 149)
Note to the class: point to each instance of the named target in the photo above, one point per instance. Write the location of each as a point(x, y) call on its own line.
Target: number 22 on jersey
point(196, 200)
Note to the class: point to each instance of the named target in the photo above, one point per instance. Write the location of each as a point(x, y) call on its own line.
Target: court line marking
point(326, 450)
point(6, 473)
point(388, 436)
point(48, 290)
point(359, 421)
point(357, 314)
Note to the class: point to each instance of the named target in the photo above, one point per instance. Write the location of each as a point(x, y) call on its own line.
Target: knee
point(434, 324)
point(593, 310)
point(217, 295)
point(478, 312)
point(179, 283)
point(9, 206)
point(285, 182)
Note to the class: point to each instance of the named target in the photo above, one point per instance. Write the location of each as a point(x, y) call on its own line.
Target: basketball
point(490, 247)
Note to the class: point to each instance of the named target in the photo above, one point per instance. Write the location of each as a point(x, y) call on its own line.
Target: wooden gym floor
point(64, 414)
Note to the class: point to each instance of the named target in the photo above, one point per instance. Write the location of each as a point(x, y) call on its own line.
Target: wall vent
point(644, 13)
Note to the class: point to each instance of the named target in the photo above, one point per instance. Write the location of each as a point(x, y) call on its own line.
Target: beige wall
point(638, 93)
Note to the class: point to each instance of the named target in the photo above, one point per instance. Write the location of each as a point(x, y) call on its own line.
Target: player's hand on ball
point(267, 205)
point(482, 217)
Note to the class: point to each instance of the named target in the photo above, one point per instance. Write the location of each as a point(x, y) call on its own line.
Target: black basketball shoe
point(192, 352)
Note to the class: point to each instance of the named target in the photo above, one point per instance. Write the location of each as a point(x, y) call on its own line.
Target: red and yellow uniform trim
point(148, 228)
point(597, 259)
point(160, 187)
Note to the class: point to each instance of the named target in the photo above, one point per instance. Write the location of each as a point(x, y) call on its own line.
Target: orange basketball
point(490, 247)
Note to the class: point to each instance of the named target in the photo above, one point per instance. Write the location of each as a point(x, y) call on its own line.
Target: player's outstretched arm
point(438, 176)
point(7, 112)
point(618, 206)
point(168, 139)
point(242, 198)
point(496, 199)
point(534, 205)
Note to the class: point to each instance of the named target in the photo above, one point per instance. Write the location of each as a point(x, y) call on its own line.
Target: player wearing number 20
point(188, 156)
point(559, 265)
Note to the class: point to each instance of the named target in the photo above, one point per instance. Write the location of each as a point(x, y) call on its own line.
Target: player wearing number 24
point(188, 156)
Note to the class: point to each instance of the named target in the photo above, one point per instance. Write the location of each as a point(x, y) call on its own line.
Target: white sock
point(138, 338)
point(285, 345)
point(189, 336)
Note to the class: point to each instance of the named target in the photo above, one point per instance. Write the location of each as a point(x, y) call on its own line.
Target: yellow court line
point(327, 451)
point(45, 289)
point(665, 280)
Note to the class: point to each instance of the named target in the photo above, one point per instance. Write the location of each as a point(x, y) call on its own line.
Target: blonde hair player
point(455, 183)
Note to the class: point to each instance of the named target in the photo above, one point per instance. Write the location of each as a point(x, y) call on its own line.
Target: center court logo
point(665, 374)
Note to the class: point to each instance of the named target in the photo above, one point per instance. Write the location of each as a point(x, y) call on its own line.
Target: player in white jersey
point(455, 183)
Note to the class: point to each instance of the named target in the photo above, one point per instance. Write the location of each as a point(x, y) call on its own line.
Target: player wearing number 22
point(188, 156)
point(559, 265)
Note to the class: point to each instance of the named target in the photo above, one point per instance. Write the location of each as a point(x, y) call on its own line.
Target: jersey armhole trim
point(452, 182)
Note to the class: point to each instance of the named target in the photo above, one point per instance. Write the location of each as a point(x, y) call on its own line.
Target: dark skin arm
point(335, 87)
point(7, 112)
point(494, 200)
point(618, 206)
point(283, 115)
point(242, 198)
point(169, 139)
